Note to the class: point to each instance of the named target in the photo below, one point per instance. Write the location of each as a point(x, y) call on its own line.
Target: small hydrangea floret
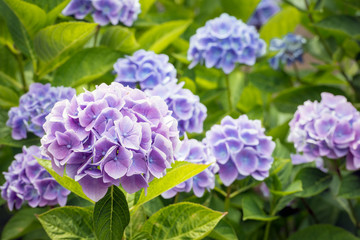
point(185, 106)
point(290, 50)
point(27, 181)
point(223, 42)
point(241, 149)
point(197, 152)
point(329, 128)
point(105, 11)
point(34, 106)
point(145, 68)
point(263, 12)
point(110, 136)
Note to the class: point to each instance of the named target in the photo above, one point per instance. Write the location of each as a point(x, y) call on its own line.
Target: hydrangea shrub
point(223, 42)
point(241, 149)
point(263, 12)
point(27, 181)
point(113, 135)
point(34, 106)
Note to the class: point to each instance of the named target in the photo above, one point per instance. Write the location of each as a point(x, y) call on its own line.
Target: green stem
point(228, 91)
point(176, 198)
point(310, 211)
point(96, 34)
point(21, 69)
point(296, 70)
point(241, 190)
point(267, 230)
point(220, 191)
point(227, 198)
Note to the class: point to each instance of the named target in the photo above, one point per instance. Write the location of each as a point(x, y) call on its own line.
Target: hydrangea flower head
point(34, 106)
point(110, 136)
point(197, 152)
point(185, 106)
point(241, 149)
point(223, 42)
point(328, 128)
point(105, 11)
point(27, 181)
point(290, 50)
point(145, 68)
point(263, 12)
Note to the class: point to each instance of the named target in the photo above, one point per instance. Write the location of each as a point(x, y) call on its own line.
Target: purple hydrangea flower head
point(27, 181)
point(185, 106)
point(197, 152)
point(113, 135)
point(241, 149)
point(34, 106)
point(326, 129)
point(223, 42)
point(290, 50)
point(263, 12)
point(145, 68)
point(105, 11)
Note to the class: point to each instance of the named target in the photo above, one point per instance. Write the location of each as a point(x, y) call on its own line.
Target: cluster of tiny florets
point(27, 181)
point(223, 42)
point(195, 152)
point(241, 149)
point(329, 128)
point(263, 12)
point(113, 135)
point(34, 106)
point(105, 11)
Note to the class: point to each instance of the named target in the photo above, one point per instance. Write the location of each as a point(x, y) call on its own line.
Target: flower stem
point(296, 70)
point(267, 230)
point(21, 69)
point(227, 198)
point(96, 34)
point(308, 208)
point(228, 91)
point(176, 198)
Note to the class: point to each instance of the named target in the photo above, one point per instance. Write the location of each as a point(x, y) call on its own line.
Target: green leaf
point(52, 8)
point(286, 102)
point(179, 172)
point(159, 37)
point(280, 24)
point(57, 43)
point(68, 223)
point(341, 24)
point(111, 215)
point(137, 220)
point(242, 9)
point(252, 210)
point(223, 231)
point(182, 221)
point(23, 20)
point(270, 80)
point(85, 66)
point(64, 181)
point(350, 187)
point(8, 98)
point(323, 231)
point(292, 188)
point(120, 38)
point(23, 222)
point(314, 181)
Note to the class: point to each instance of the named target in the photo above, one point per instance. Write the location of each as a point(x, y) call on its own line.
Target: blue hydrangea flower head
point(223, 42)
point(110, 136)
point(105, 11)
point(263, 12)
point(241, 149)
point(185, 106)
point(329, 128)
point(197, 152)
point(145, 68)
point(290, 50)
point(27, 181)
point(34, 106)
